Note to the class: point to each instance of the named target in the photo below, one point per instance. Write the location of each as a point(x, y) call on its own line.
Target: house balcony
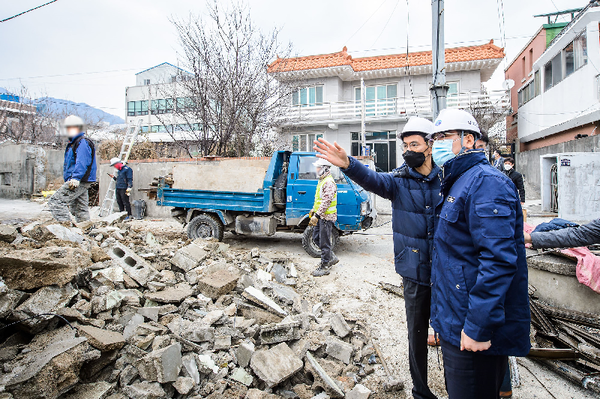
point(392, 109)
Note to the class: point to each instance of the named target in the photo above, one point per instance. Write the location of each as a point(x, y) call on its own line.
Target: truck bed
point(207, 199)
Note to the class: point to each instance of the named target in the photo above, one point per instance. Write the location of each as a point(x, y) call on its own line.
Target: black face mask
point(414, 159)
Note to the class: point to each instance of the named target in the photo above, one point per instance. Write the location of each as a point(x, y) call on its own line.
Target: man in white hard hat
point(323, 216)
point(79, 173)
point(480, 303)
point(124, 185)
point(414, 191)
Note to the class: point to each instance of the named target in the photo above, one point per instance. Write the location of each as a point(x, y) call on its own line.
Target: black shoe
point(334, 260)
point(322, 270)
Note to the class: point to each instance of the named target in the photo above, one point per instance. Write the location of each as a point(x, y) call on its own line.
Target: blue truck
point(281, 204)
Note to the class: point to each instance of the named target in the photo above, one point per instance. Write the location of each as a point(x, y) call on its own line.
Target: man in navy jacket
point(79, 172)
point(123, 185)
point(480, 303)
point(414, 191)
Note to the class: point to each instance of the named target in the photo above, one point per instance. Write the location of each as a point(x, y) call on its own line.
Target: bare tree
point(490, 114)
point(229, 104)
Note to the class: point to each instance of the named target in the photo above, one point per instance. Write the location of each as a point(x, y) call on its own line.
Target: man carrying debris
point(124, 185)
point(323, 216)
point(79, 172)
point(414, 190)
point(480, 303)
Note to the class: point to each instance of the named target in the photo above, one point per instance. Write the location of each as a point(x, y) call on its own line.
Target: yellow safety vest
point(333, 206)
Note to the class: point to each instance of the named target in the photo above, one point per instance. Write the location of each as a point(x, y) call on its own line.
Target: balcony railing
point(394, 107)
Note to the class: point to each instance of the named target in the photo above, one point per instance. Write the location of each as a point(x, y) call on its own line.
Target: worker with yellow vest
point(324, 215)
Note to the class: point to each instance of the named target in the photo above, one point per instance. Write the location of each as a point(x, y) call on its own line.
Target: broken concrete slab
point(256, 296)
point(35, 268)
point(98, 254)
point(104, 340)
point(114, 218)
point(132, 325)
point(184, 385)
point(276, 364)
point(150, 312)
point(284, 294)
point(322, 378)
point(162, 365)
point(281, 332)
point(96, 390)
point(189, 257)
point(145, 390)
point(174, 294)
point(44, 300)
point(62, 233)
point(244, 353)
point(195, 331)
point(135, 266)
point(359, 392)
point(206, 364)
point(8, 233)
point(222, 342)
point(240, 375)
point(191, 367)
point(339, 349)
point(339, 325)
point(218, 283)
point(9, 300)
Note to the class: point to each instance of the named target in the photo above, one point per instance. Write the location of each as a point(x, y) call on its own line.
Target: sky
point(89, 50)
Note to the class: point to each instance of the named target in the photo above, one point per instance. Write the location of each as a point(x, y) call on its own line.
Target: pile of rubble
point(104, 311)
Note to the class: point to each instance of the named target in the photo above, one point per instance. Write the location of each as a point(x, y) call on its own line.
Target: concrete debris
point(189, 257)
point(162, 365)
point(244, 353)
point(96, 390)
point(43, 301)
point(219, 283)
point(8, 233)
point(104, 340)
point(282, 332)
point(275, 365)
point(256, 296)
point(322, 379)
point(135, 266)
point(359, 392)
point(339, 325)
point(184, 385)
point(174, 294)
point(62, 233)
point(145, 390)
point(339, 350)
point(242, 376)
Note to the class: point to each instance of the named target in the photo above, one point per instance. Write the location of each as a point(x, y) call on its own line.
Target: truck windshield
point(307, 171)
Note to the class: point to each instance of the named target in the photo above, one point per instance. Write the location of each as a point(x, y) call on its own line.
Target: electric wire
point(25, 12)
point(410, 83)
point(387, 22)
point(368, 19)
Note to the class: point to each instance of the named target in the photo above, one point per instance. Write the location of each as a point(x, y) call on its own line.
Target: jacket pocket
point(495, 219)
point(457, 288)
point(407, 262)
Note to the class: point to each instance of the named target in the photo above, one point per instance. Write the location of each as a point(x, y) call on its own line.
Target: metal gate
point(554, 188)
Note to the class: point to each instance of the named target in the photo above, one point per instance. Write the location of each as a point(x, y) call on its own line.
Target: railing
point(395, 107)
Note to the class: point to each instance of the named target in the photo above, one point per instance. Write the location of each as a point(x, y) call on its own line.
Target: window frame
point(297, 141)
point(318, 90)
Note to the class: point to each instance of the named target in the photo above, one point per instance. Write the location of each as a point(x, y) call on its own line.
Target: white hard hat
point(73, 120)
point(417, 125)
point(456, 119)
point(321, 162)
point(114, 161)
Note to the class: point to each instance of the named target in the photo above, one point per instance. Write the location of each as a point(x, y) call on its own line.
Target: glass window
point(355, 136)
point(308, 96)
point(295, 98)
point(580, 50)
point(154, 107)
point(319, 95)
point(355, 148)
point(547, 76)
point(169, 105)
point(538, 83)
point(154, 129)
point(131, 108)
point(145, 129)
point(569, 60)
point(296, 143)
point(303, 142)
point(144, 107)
point(303, 96)
point(392, 91)
point(307, 171)
point(557, 69)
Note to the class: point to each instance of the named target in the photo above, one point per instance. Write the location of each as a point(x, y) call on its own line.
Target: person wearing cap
point(79, 172)
point(414, 190)
point(323, 216)
point(480, 302)
point(124, 185)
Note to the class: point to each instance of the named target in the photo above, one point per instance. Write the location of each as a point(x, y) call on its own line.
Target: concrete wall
point(26, 169)
point(528, 162)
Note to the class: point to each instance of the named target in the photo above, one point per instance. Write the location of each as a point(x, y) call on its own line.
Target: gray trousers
point(322, 237)
point(65, 201)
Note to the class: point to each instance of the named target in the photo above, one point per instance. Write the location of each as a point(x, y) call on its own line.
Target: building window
point(379, 100)
point(145, 129)
point(530, 90)
point(143, 107)
point(308, 96)
point(184, 103)
point(131, 108)
point(146, 82)
point(304, 142)
point(553, 72)
point(576, 54)
point(537, 77)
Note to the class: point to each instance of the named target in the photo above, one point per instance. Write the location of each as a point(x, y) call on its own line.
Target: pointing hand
point(332, 153)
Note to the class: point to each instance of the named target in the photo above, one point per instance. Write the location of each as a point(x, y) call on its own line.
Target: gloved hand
point(73, 184)
point(128, 191)
point(311, 213)
point(313, 221)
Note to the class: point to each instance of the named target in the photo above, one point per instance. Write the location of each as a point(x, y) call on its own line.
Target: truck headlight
point(365, 208)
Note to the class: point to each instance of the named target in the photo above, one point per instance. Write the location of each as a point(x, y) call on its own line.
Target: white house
point(396, 87)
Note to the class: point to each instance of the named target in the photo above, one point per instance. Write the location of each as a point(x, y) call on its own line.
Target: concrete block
point(150, 312)
point(44, 300)
point(218, 283)
point(195, 331)
point(8, 233)
point(114, 218)
point(214, 317)
point(104, 340)
point(322, 378)
point(256, 296)
point(162, 365)
point(36, 268)
point(189, 257)
point(244, 353)
point(132, 325)
point(96, 390)
point(284, 294)
point(240, 375)
point(145, 390)
point(339, 349)
point(174, 294)
point(359, 392)
point(222, 342)
point(276, 364)
point(184, 385)
point(281, 332)
point(65, 234)
point(339, 325)
point(9, 300)
point(135, 266)
point(191, 367)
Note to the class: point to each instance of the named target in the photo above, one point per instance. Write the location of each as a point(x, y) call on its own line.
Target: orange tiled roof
point(457, 54)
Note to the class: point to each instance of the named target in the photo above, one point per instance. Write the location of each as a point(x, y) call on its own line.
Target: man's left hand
point(128, 191)
point(73, 184)
point(468, 344)
point(313, 221)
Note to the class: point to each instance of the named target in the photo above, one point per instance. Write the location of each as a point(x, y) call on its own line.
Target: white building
point(397, 87)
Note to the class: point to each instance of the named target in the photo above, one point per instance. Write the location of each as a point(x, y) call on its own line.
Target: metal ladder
point(111, 193)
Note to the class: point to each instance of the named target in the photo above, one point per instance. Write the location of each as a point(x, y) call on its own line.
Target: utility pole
point(439, 88)
point(363, 115)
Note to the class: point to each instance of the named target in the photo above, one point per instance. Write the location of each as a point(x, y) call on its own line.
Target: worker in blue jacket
point(480, 303)
point(124, 185)
point(414, 191)
point(79, 172)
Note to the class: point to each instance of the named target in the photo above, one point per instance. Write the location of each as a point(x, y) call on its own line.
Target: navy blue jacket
point(76, 165)
point(479, 270)
point(413, 197)
point(125, 178)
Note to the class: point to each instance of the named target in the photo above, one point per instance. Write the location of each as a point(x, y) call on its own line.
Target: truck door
point(302, 184)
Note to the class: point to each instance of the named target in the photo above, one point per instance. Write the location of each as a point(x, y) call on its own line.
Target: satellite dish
point(508, 84)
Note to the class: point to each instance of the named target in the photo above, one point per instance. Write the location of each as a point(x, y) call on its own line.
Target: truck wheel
point(205, 226)
point(311, 247)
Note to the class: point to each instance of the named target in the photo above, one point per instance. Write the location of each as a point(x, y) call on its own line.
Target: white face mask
point(507, 166)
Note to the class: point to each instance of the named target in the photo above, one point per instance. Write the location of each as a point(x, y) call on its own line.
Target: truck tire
point(279, 192)
point(205, 226)
point(311, 247)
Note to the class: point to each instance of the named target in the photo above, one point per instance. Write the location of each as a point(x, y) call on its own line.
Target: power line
point(368, 19)
point(387, 22)
point(71, 74)
point(25, 12)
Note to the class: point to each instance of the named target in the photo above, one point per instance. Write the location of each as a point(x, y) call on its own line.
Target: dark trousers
point(123, 200)
point(322, 237)
point(417, 300)
point(506, 383)
point(472, 375)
